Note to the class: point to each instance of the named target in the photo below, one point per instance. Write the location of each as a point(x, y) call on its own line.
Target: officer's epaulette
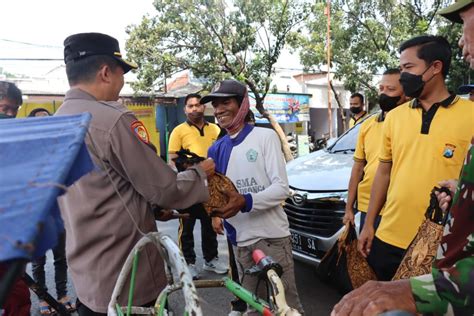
point(116, 106)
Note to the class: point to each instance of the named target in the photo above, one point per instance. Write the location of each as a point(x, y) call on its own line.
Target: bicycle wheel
point(174, 260)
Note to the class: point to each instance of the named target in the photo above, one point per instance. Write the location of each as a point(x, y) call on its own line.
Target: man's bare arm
point(356, 176)
point(378, 195)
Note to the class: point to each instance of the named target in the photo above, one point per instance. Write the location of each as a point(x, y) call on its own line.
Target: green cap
point(452, 12)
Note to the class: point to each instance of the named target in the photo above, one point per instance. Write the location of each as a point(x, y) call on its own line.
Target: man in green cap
point(449, 289)
point(463, 12)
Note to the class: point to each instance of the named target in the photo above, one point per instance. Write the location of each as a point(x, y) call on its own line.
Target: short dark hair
point(392, 71)
point(431, 48)
point(190, 96)
point(358, 95)
point(9, 90)
point(85, 69)
point(33, 112)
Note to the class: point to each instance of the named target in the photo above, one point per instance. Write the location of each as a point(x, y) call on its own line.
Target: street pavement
point(317, 298)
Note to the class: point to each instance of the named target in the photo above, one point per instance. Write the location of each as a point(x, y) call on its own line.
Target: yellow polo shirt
point(353, 121)
point(369, 142)
point(424, 148)
point(189, 136)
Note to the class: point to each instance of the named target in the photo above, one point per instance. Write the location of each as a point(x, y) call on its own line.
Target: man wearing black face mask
point(368, 147)
point(10, 100)
point(196, 135)
point(423, 141)
point(356, 103)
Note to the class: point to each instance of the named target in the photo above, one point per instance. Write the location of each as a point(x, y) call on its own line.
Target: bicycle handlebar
point(258, 255)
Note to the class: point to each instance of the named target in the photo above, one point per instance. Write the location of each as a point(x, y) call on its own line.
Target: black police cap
point(83, 45)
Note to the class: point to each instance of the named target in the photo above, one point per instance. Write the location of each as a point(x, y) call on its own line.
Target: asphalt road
point(317, 298)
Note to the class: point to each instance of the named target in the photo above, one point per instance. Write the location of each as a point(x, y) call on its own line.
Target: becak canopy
point(39, 157)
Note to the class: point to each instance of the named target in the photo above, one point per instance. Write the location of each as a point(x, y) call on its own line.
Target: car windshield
point(347, 142)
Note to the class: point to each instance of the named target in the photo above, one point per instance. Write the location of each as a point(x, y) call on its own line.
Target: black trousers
point(384, 259)
point(186, 237)
point(363, 215)
point(237, 304)
point(60, 268)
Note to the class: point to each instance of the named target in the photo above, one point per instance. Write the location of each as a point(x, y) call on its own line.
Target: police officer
point(106, 211)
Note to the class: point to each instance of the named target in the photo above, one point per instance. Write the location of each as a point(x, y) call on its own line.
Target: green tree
point(365, 36)
point(216, 39)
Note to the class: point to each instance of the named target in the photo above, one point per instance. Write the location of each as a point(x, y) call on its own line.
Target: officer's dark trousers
point(60, 268)
point(384, 259)
point(208, 236)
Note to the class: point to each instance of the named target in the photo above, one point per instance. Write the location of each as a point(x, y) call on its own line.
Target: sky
point(46, 23)
point(37, 29)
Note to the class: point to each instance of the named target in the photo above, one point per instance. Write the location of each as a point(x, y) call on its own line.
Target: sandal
point(45, 309)
point(68, 304)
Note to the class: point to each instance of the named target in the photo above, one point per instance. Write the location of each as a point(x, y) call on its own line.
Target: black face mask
point(388, 103)
point(195, 116)
point(356, 110)
point(413, 84)
point(6, 116)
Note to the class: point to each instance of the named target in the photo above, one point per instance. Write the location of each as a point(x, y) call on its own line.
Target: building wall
point(319, 110)
point(143, 108)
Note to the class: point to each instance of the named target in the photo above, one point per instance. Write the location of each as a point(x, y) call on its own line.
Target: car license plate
point(306, 245)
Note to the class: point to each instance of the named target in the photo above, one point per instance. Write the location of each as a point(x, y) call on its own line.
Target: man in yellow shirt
point(369, 142)
point(357, 109)
point(424, 140)
point(196, 135)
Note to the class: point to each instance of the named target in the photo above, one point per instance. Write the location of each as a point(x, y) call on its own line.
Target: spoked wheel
point(174, 262)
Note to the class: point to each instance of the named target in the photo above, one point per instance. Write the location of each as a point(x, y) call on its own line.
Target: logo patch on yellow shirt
point(139, 129)
point(448, 151)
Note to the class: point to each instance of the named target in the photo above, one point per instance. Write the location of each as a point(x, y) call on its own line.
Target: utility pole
point(328, 47)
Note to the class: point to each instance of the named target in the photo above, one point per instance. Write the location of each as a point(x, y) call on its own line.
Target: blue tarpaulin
point(38, 156)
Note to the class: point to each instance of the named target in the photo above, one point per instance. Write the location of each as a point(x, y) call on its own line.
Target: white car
point(318, 193)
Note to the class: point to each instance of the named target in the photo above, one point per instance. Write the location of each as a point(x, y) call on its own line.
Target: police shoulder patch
point(139, 129)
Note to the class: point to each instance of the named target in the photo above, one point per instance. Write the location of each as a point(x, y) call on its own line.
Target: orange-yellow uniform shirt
point(189, 136)
point(353, 121)
point(424, 148)
point(369, 142)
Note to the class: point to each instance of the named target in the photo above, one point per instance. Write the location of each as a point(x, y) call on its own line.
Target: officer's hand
point(235, 204)
point(217, 225)
point(365, 240)
point(165, 215)
point(374, 298)
point(348, 216)
point(208, 166)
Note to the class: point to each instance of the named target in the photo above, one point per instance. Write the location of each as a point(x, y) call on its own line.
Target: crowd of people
point(420, 139)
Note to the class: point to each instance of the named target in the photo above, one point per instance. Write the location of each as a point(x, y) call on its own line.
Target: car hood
point(320, 171)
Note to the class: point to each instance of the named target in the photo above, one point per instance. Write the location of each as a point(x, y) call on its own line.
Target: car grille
point(321, 217)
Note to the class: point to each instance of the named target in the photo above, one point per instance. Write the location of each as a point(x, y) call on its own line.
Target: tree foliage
point(365, 37)
point(215, 39)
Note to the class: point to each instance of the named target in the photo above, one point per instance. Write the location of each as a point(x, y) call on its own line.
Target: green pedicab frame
point(174, 261)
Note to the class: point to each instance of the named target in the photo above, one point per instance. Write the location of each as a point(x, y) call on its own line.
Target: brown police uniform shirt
point(100, 232)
